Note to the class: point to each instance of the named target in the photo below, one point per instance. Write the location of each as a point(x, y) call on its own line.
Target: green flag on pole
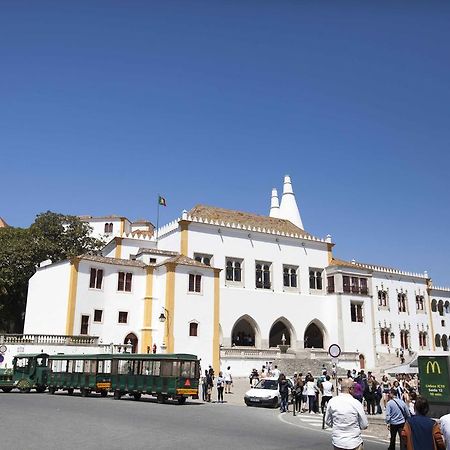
point(162, 201)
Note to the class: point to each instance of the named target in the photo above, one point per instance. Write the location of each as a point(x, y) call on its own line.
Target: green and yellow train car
point(87, 373)
point(165, 376)
point(6, 380)
point(30, 372)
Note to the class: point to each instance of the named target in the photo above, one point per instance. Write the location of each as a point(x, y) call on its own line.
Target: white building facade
point(226, 284)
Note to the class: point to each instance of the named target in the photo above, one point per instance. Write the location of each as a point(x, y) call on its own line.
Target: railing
point(344, 356)
point(355, 290)
point(48, 339)
point(252, 352)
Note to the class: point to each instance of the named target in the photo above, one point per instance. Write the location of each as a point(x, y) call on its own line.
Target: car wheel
point(275, 402)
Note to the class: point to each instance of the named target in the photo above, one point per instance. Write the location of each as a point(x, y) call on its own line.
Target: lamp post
point(164, 317)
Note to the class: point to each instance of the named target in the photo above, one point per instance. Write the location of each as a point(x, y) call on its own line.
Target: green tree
point(52, 236)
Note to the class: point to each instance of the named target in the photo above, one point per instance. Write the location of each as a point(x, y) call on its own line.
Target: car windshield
point(267, 384)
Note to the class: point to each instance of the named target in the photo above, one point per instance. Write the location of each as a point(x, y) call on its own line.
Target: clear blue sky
point(105, 104)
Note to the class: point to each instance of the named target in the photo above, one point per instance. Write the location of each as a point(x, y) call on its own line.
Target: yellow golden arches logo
point(433, 366)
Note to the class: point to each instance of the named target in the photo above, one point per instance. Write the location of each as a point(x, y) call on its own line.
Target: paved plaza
point(32, 421)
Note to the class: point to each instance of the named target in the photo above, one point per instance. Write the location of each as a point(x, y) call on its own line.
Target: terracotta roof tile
point(156, 251)
point(245, 218)
point(115, 261)
point(185, 261)
point(3, 224)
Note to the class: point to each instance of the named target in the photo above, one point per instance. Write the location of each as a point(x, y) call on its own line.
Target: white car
point(265, 393)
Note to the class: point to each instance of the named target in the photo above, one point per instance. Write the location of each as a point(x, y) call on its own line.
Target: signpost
point(334, 351)
point(434, 377)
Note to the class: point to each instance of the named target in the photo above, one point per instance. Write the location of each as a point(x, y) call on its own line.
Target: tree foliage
point(52, 236)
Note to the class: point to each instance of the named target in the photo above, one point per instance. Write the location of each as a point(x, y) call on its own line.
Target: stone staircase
point(303, 362)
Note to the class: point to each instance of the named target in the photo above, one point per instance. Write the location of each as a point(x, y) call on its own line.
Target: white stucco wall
point(48, 290)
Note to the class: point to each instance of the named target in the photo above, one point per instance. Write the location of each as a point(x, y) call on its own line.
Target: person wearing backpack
point(397, 413)
point(421, 432)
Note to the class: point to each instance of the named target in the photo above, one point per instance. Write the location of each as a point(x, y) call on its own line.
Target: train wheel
point(181, 400)
point(161, 398)
point(70, 391)
point(25, 390)
point(51, 390)
point(40, 389)
point(137, 395)
point(117, 395)
point(85, 392)
point(103, 393)
point(7, 389)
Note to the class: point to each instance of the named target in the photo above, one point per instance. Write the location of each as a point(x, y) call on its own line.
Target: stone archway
point(279, 329)
point(245, 333)
point(132, 339)
point(313, 336)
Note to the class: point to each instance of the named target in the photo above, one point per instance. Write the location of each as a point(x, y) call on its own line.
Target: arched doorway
point(444, 340)
point(132, 339)
point(278, 330)
point(243, 333)
point(313, 337)
point(362, 361)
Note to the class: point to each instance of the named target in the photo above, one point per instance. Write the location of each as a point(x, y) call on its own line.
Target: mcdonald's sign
point(433, 367)
point(434, 378)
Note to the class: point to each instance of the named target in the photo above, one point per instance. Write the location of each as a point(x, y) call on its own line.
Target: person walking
point(369, 396)
point(205, 386)
point(346, 416)
point(421, 432)
point(396, 415)
point(311, 390)
point(220, 387)
point(228, 380)
point(283, 388)
point(327, 389)
point(445, 429)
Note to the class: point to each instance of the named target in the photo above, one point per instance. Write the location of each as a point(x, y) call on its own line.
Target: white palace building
point(236, 288)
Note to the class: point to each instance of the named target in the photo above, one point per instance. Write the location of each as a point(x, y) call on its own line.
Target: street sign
point(434, 378)
point(334, 350)
point(3, 348)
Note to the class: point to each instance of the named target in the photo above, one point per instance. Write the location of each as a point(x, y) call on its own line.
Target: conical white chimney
point(288, 208)
point(274, 204)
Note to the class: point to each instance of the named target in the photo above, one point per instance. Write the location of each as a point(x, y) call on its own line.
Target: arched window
point(401, 299)
point(440, 307)
point(382, 298)
point(447, 307)
point(424, 339)
point(433, 305)
point(437, 340)
point(444, 341)
point(313, 337)
point(385, 332)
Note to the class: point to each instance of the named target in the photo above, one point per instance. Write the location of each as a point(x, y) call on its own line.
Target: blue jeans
point(284, 403)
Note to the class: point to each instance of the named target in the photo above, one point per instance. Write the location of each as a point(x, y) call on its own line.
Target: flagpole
point(157, 222)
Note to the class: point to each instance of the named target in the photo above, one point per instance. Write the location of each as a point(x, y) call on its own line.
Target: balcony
point(358, 290)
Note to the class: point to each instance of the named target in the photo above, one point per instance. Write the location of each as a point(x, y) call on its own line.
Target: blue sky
point(105, 104)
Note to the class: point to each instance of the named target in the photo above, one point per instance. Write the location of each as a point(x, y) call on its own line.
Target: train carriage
point(165, 376)
point(88, 373)
point(30, 372)
point(6, 380)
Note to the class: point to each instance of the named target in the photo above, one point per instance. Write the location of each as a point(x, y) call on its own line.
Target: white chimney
point(274, 204)
point(288, 208)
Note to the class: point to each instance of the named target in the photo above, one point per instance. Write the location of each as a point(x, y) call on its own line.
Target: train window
point(21, 363)
point(125, 367)
point(156, 368)
point(78, 366)
point(89, 366)
point(146, 368)
point(104, 366)
point(175, 369)
point(70, 366)
point(166, 369)
point(188, 369)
